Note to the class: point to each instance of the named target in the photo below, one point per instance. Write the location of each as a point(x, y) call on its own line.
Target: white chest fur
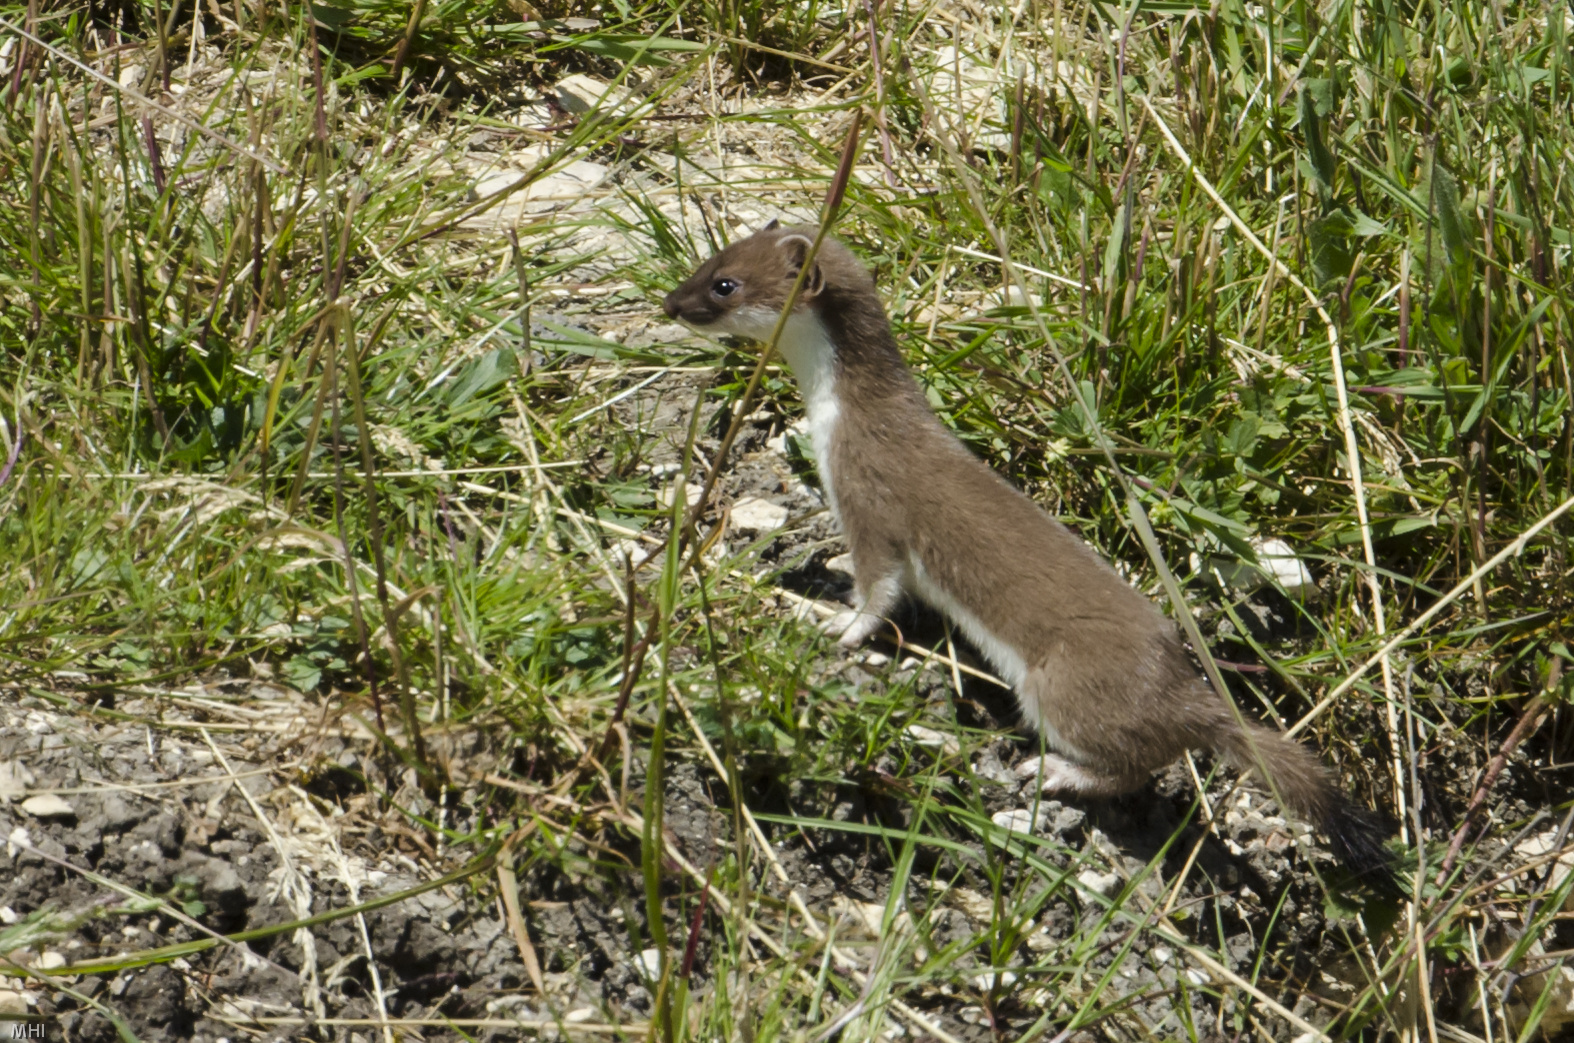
point(807, 349)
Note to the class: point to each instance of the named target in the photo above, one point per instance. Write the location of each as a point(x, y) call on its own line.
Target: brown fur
point(1106, 676)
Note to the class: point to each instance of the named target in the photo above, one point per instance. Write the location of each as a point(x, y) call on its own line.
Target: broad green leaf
point(482, 375)
point(1322, 160)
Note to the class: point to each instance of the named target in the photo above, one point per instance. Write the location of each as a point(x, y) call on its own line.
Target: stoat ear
point(797, 248)
point(775, 224)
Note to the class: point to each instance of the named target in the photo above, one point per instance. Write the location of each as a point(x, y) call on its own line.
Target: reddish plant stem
point(1527, 724)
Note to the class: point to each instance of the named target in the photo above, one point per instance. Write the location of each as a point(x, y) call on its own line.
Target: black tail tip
point(1356, 837)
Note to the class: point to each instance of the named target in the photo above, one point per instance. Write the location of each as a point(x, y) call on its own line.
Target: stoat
point(1097, 669)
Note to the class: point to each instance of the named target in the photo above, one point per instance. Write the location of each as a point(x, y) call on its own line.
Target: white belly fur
point(1007, 660)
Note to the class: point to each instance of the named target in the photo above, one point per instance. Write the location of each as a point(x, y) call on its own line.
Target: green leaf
point(1241, 438)
point(1320, 90)
point(87, 563)
point(1115, 248)
point(1453, 225)
point(1322, 160)
point(641, 50)
point(1366, 226)
point(482, 375)
point(302, 673)
point(336, 19)
point(1329, 240)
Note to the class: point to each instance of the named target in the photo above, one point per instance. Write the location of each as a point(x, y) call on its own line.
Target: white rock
point(574, 1017)
point(13, 1002)
point(1105, 884)
point(752, 514)
point(691, 494)
point(1278, 559)
point(668, 333)
point(1013, 297)
point(49, 960)
point(649, 963)
point(495, 182)
point(514, 1005)
point(47, 805)
point(988, 765)
point(986, 979)
point(1544, 844)
point(862, 917)
point(975, 906)
point(579, 94)
point(929, 737)
point(636, 551)
point(1042, 940)
point(14, 779)
point(1277, 564)
point(797, 429)
point(558, 190)
point(565, 183)
point(876, 659)
point(1019, 821)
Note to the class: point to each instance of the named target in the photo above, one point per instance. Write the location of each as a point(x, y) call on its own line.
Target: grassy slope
point(202, 350)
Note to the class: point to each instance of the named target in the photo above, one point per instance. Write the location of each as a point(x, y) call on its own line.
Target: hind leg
point(1060, 775)
point(1093, 745)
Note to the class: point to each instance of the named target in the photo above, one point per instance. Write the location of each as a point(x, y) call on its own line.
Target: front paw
point(854, 627)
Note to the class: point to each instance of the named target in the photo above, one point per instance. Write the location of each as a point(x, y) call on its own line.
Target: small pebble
point(649, 963)
point(1105, 884)
point(752, 514)
point(1018, 821)
point(929, 737)
point(47, 805)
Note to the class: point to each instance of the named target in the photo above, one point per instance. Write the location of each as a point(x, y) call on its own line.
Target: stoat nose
point(669, 304)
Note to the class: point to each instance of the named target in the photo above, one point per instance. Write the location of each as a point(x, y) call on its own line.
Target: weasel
point(1097, 669)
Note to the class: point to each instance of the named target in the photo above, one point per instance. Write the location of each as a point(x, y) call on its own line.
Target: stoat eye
point(723, 287)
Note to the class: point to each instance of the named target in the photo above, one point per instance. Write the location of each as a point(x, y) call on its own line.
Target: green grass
point(206, 355)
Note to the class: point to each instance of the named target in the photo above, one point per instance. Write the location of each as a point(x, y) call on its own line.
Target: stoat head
point(742, 289)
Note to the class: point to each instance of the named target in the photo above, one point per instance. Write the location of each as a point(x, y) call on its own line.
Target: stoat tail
point(1354, 833)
